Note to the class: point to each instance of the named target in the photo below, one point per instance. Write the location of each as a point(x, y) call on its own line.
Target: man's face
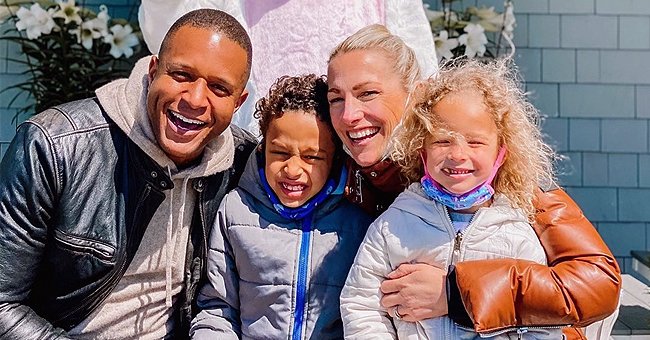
point(194, 88)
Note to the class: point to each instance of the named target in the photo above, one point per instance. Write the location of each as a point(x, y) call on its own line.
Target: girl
point(470, 145)
point(284, 240)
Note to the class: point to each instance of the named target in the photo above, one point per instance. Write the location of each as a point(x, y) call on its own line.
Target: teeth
point(363, 133)
point(456, 172)
point(293, 187)
point(185, 119)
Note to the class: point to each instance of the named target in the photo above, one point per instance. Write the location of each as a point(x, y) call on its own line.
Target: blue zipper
point(301, 289)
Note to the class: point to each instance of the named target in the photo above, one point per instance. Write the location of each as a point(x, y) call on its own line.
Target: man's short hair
point(214, 20)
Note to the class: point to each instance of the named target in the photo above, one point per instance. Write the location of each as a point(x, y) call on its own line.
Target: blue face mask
point(474, 197)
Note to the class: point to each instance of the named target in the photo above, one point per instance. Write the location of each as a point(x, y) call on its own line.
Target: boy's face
point(194, 88)
point(299, 152)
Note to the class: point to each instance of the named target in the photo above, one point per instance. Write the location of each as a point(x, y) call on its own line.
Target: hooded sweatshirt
point(142, 304)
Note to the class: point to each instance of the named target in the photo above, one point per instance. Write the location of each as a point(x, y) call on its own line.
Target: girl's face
point(367, 101)
point(298, 160)
point(461, 157)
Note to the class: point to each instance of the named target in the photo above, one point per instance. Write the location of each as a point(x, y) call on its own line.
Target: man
point(106, 203)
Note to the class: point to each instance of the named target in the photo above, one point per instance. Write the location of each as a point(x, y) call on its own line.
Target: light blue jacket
point(270, 277)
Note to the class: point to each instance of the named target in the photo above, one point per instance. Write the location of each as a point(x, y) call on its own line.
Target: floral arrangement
point(461, 31)
point(68, 50)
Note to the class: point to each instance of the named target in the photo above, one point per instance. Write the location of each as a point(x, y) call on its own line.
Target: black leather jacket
point(76, 195)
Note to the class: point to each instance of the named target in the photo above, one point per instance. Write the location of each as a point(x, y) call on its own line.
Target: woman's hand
point(417, 290)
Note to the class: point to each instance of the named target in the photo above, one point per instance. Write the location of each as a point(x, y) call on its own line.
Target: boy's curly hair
point(529, 160)
point(306, 93)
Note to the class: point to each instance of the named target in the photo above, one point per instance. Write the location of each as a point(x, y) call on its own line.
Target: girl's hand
point(417, 290)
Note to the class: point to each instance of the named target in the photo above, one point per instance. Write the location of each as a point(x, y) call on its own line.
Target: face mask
point(476, 196)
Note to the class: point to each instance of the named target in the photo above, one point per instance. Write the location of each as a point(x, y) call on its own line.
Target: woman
point(369, 76)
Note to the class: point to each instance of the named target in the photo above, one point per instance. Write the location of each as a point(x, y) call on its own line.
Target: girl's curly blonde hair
point(529, 160)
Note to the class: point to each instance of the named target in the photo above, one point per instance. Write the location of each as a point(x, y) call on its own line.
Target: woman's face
point(367, 101)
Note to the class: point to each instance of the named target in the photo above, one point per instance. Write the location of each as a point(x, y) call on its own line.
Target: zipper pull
point(521, 331)
point(456, 253)
point(359, 179)
point(458, 240)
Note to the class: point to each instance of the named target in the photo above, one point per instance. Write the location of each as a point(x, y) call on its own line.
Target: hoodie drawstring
point(169, 247)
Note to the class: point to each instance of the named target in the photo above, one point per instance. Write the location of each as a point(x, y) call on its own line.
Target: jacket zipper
point(358, 180)
point(205, 235)
point(457, 241)
point(102, 254)
point(521, 330)
point(301, 287)
point(458, 237)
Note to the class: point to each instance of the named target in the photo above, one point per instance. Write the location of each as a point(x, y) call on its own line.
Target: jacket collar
point(252, 183)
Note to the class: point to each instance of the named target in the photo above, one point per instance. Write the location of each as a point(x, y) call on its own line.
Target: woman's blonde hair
point(529, 160)
point(377, 37)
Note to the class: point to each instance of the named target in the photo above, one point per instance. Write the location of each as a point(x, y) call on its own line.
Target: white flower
point(68, 11)
point(103, 16)
point(6, 12)
point(101, 21)
point(122, 41)
point(35, 21)
point(488, 18)
point(444, 45)
point(474, 40)
point(93, 29)
point(483, 12)
point(495, 22)
point(88, 31)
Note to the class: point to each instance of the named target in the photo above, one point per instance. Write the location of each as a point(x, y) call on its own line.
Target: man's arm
point(28, 187)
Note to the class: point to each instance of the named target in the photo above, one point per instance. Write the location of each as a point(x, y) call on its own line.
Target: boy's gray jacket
point(253, 263)
point(416, 229)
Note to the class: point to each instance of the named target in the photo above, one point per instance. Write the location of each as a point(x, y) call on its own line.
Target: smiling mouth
point(294, 187)
point(359, 135)
point(457, 171)
point(183, 122)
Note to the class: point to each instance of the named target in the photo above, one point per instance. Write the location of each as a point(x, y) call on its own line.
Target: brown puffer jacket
point(580, 285)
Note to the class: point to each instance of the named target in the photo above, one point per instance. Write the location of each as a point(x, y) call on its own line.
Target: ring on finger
point(396, 313)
